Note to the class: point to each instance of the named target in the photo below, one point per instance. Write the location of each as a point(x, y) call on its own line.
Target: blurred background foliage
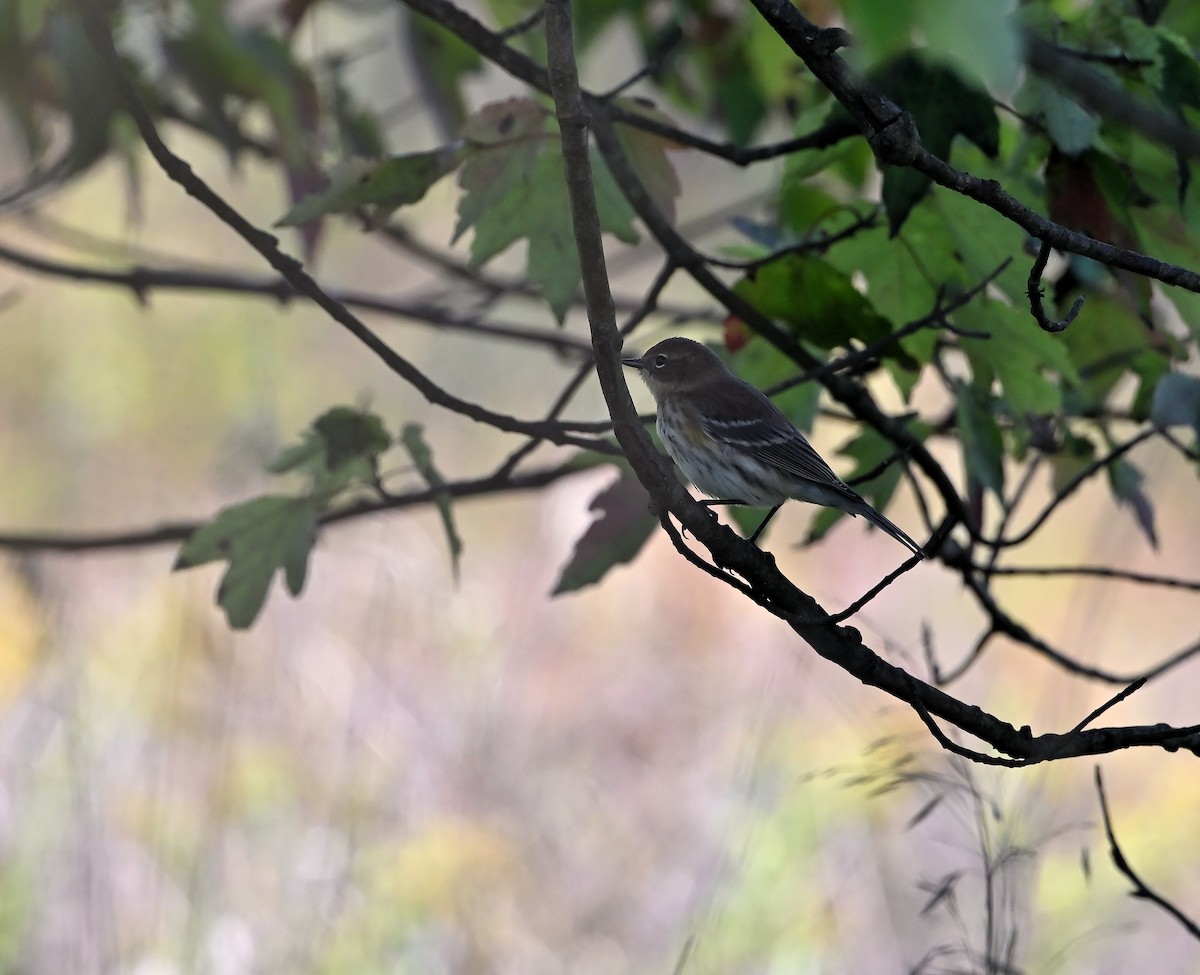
point(402, 771)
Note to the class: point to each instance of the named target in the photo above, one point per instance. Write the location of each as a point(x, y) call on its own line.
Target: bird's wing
point(741, 416)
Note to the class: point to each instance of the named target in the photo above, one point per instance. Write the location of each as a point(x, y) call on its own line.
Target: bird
point(734, 444)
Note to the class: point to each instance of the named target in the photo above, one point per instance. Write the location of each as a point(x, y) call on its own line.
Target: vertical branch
point(573, 121)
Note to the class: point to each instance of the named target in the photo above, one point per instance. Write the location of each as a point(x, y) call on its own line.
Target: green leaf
point(507, 136)
point(816, 299)
point(943, 104)
point(881, 30)
point(1176, 401)
point(1180, 72)
point(514, 188)
point(978, 241)
point(903, 280)
point(342, 445)
point(255, 537)
point(381, 186)
point(359, 135)
point(414, 442)
point(738, 96)
point(1071, 126)
point(1111, 344)
point(982, 445)
point(350, 434)
point(1026, 360)
point(615, 537)
point(229, 67)
point(981, 36)
point(803, 206)
point(308, 456)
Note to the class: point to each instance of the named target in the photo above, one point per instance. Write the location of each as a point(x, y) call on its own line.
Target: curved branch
point(1140, 888)
point(1097, 572)
point(894, 139)
point(1033, 290)
point(1081, 477)
point(288, 267)
point(176, 532)
point(1100, 95)
point(141, 280)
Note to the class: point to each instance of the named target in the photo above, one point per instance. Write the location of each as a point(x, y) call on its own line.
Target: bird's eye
point(660, 360)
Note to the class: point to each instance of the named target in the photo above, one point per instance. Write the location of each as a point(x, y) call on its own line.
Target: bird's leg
point(763, 524)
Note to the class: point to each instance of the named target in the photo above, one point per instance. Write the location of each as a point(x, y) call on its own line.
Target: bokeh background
point(401, 772)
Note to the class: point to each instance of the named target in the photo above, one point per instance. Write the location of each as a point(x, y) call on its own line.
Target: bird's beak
point(633, 363)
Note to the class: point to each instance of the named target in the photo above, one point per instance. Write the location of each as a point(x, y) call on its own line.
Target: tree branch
point(176, 532)
point(288, 267)
point(1034, 290)
point(1140, 888)
point(894, 139)
point(142, 280)
point(764, 583)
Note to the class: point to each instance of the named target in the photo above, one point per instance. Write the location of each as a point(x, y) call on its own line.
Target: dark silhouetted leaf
point(349, 434)
point(925, 811)
point(940, 891)
point(943, 104)
point(1126, 483)
point(615, 537)
point(1073, 457)
point(342, 445)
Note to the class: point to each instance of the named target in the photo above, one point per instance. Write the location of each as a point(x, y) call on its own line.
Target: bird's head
point(677, 364)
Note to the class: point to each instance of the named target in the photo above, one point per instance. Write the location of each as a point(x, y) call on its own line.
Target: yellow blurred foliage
point(21, 636)
point(445, 869)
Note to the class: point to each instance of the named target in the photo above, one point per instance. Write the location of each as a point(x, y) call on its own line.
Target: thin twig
point(174, 533)
point(142, 280)
point(1098, 572)
point(1035, 293)
point(525, 24)
point(1081, 477)
point(910, 563)
point(935, 317)
point(1112, 702)
point(955, 748)
point(1140, 888)
point(585, 370)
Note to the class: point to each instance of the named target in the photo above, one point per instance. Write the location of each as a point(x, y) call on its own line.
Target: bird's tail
point(876, 519)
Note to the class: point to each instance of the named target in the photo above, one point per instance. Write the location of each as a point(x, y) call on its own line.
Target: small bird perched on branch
point(734, 444)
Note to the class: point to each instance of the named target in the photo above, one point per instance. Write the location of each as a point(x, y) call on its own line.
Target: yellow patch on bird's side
point(694, 432)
